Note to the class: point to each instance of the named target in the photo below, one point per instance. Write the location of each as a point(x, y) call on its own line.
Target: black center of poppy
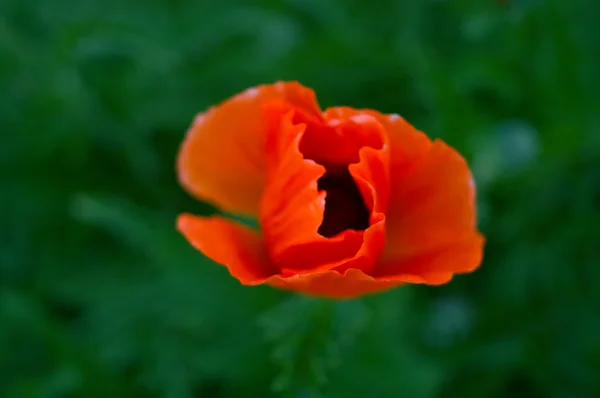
point(344, 205)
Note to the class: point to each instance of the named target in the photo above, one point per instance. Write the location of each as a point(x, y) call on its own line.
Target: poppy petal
point(236, 246)
point(333, 284)
point(372, 178)
point(368, 152)
point(370, 252)
point(431, 221)
point(292, 207)
point(371, 143)
point(223, 157)
point(435, 267)
point(346, 132)
point(407, 144)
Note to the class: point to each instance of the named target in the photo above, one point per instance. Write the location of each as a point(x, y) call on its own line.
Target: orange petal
point(372, 177)
point(435, 267)
point(223, 157)
point(292, 207)
point(407, 144)
point(370, 252)
point(332, 284)
point(228, 243)
point(303, 251)
point(370, 169)
point(431, 221)
point(341, 139)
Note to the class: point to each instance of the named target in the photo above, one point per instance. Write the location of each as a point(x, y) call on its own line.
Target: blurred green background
point(101, 297)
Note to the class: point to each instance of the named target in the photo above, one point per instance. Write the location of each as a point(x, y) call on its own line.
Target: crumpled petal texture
point(349, 201)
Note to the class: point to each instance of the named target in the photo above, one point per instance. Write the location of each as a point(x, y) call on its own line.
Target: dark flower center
point(344, 205)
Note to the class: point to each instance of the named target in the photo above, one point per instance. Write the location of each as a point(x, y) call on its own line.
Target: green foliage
point(101, 297)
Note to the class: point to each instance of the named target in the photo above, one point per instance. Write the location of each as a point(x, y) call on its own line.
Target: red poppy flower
point(349, 201)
